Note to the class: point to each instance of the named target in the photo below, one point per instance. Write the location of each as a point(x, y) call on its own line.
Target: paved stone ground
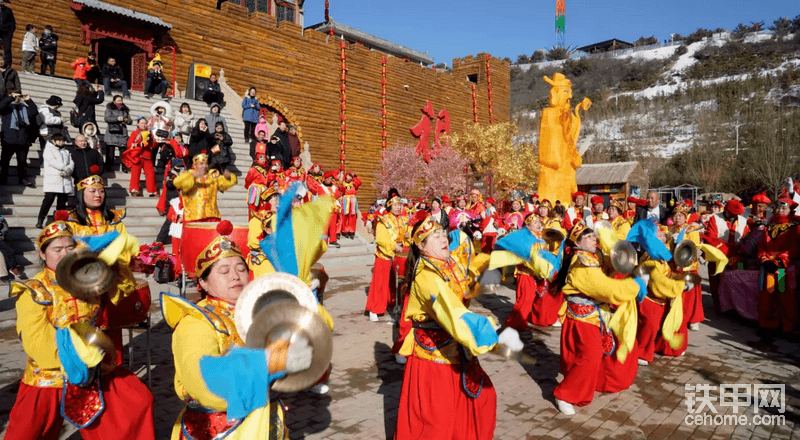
point(365, 382)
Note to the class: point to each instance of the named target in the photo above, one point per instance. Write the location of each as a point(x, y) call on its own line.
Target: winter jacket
point(116, 131)
point(49, 44)
point(250, 110)
point(184, 123)
point(214, 87)
point(9, 81)
point(57, 161)
point(92, 140)
point(294, 144)
point(136, 141)
point(21, 134)
point(81, 67)
point(162, 122)
point(213, 118)
point(286, 149)
point(7, 22)
point(199, 141)
point(30, 43)
point(262, 126)
point(51, 121)
point(85, 104)
point(112, 72)
point(222, 159)
point(83, 160)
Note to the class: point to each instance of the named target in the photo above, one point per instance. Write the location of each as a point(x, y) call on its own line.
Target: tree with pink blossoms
point(401, 168)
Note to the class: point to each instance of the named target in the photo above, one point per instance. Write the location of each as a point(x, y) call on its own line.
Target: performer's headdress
point(93, 181)
point(59, 228)
point(220, 247)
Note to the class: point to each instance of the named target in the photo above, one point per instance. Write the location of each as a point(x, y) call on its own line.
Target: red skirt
point(661, 345)
point(128, 411)
point(532, 308)
point(651, 316)
point(693, 304)
point(382, 286)
point(586, 368)
point(776, 309)
point(434, 406)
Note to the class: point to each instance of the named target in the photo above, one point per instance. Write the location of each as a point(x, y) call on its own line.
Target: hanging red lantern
point(342, 87)
point(344, 126)
point(341, 46)
point(490, 95)
point(330, 32)
point(383, 133)
point(383, 122)
point(383, 112)
point(344, 106)
point(383, 81)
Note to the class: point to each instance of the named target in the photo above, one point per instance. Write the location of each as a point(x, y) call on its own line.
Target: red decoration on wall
point(383, 112)
point(343, 108)
point(327, 17)
point(489, 87)
point(423, 131)
point(474, 105)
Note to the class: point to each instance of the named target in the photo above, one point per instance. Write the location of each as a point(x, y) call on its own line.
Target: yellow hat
point(94, 181)
point(200, 157)
point(576, 231)
point(219, 248)
point(59, 228)
point(392, 201)
point(617, 204)
point(530, 218)
point(425, 228)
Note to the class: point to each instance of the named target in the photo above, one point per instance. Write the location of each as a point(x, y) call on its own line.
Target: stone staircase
point(20, 205)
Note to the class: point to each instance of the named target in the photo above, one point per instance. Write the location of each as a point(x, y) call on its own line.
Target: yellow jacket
point(200, 195)
point(662, 287)
point(436, 298)
point(621, 227)
point(390, 231)
point(692, 233)
point(42, 308)
point(586, 278)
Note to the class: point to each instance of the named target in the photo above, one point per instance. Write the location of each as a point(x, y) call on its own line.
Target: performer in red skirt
point(390, 235)
point(445, 394)
point(598, 344)
point(536, 302)
point(64, 376)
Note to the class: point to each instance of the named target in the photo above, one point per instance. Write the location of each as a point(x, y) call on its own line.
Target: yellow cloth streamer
point(710, 253)
point(89, 354)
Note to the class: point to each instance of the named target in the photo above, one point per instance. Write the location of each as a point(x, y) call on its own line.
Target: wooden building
point(606, 46)
point(612, 180)
point(297, 71)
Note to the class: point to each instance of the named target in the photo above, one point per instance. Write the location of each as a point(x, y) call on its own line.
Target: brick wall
point(299, 69)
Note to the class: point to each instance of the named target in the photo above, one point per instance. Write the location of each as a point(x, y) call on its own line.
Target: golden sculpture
point(558, 138)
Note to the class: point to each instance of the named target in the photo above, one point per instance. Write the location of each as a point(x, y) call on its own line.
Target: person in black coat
point(220, 153)
point(88, 161)
point(49, 47)
point(654, 210)
point(19, 130)
point(283, 140)
point(9, 79)
point(213, 93)
point(274, 149)
point(8, 24)
point(156, 82)
point(85, 100)
point(201, 139)
point(113, 77)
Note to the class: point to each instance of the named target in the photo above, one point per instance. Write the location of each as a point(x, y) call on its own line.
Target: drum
point(196, 236)
point(130, 311)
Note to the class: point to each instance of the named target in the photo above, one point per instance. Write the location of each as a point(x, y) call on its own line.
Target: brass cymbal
point(553, 235)
point(623, 257)
point(685, 253)
point(288, 321)
point(266, 290)
point(84, 275)
point(94, 336)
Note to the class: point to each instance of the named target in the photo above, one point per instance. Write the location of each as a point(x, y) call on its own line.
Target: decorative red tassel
point(224, 228)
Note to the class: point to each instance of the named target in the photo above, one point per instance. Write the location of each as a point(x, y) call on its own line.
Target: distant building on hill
point(606, 46)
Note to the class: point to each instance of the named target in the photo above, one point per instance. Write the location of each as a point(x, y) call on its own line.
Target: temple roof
point(108, 7)
point(372, 42)
point(606, 173)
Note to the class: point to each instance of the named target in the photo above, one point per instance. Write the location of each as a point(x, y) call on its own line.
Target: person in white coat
point(58, 168)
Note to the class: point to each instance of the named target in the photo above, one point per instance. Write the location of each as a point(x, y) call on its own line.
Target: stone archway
point(280, 108)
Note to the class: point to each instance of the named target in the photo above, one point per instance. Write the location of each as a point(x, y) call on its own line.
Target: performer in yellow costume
point(261, 226)
point(558, 138)
point(620, 226)
point(390, 237)
point(91, 215)
point(64, 376)
point(199, 188)
point(445, 394)
point(598, 340)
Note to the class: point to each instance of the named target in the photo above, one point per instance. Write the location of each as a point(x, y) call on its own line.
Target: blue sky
point(447, 29)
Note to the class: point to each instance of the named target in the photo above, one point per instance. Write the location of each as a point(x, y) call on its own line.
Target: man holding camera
point(19, 129)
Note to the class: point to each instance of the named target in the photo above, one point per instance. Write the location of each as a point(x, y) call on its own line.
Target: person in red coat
point(329, 188)
point(778, 254)
point(724, 231)
point(140, 150)
point(476, 206)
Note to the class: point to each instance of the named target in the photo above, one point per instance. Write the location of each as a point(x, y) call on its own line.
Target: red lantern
point(344, 126)
point(341, 117)
point(490, 103)
point(342, 88)
point(344, 107)
point(383, 60)
point(383, 81)
point(383, 101)
point(330, 32)
point(491, 110)
point(383, 122)
point(383, 145)
point(341, 46)
point(383, 134)
point(490, 95)
point(383, 112)
point(341, 137)
point(475, 110)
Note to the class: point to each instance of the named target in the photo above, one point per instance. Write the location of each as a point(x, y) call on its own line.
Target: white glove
point(477, 235)
point(64, 174)
point(688, 286)
point(501, 232)
point(510, 338)
point(298, 356)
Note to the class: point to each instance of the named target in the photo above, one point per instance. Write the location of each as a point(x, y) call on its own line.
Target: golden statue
point(558, 137)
